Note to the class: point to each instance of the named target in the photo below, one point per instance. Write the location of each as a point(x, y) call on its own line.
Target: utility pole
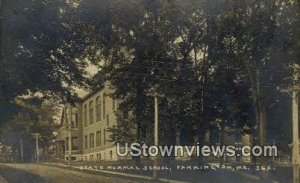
point(21, 150)
point(155, 95)
point(37, 146)
point(155, 133)
point(69, 145)
point(155, 120)
point(273, 155)
point(295, 151)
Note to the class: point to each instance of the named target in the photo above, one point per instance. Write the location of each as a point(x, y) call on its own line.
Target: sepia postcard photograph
point(149, 91)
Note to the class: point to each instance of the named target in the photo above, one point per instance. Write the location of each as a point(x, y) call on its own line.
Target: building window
point(67, 117)
point(98, 109)
point(74, 118)
point(104, 137)
point(85, 115)
point(104, 100)
point(85, 142)
point(91, 112)
point(92, 136)
point(75, 143)
point(107, 120)
point(99, 156)
point(67, 143)
point(98, 138)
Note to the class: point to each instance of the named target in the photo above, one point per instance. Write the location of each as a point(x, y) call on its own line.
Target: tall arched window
point(74, 118)
point(98, 109)
point(67, 116)
point(85, 115)
point(91, 112)
point(104, 137)
point(104, 99)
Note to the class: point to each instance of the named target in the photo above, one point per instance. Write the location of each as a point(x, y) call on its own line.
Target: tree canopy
point(215, 64)
point(37, 52)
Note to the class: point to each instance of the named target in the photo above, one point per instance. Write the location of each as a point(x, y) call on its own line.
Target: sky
point(91, 70)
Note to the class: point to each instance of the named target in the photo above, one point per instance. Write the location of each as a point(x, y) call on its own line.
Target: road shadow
point(20, 176)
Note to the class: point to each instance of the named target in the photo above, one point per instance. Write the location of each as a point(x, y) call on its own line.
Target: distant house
point(5, 153)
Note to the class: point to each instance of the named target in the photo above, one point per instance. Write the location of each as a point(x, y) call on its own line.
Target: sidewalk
point(174, 176)
point(114, 173)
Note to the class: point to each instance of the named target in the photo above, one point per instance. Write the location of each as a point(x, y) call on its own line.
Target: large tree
point(37, 52)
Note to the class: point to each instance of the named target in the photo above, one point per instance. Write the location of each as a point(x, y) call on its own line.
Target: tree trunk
point(259, 107)
point(260, 113)
point(139, 113)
